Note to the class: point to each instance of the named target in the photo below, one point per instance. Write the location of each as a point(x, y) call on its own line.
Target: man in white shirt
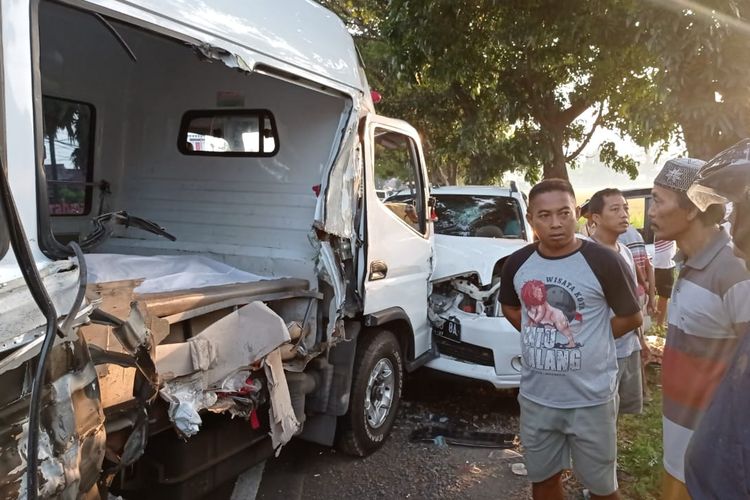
point(610, 213)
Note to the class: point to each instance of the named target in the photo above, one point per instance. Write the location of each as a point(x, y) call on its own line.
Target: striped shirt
point(664, 251)
point(707, 313)
point(634, 241)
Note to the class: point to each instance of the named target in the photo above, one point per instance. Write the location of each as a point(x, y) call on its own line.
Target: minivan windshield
point(483, 216)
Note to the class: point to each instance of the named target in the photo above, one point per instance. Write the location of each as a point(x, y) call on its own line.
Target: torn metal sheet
point(186, 397)
point(337, 203)
point(239, 394)
point(71, 434)
point(206, 372)
point(235, 341)
point(284, 423)
point(219, 54)
point(331, 273)
point(33, 348)
point(22, 320)
point(116, 303)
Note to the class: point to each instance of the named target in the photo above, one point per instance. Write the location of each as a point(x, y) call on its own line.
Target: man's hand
point(624, 324)
point(513, 315)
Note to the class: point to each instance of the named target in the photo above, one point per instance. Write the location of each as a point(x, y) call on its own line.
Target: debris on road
point(519, 469)
point(459, 437)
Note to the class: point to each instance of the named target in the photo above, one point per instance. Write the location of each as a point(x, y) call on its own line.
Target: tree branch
point(575, 109)
point(588, 137)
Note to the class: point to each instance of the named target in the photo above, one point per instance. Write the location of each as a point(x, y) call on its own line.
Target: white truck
point(191, 232)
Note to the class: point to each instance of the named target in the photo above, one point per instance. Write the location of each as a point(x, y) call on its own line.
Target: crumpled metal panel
point(22, 320)
point(340, 191)
point(72, 435)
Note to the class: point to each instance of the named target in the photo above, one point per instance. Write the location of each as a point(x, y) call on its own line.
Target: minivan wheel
point(375, 394)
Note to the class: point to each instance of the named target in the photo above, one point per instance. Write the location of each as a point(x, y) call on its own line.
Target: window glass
point(68, 140)
point(483, 216)
point(228, 133)
point(397, 172)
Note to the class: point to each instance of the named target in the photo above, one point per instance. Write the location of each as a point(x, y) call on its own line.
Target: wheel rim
point(379, 393)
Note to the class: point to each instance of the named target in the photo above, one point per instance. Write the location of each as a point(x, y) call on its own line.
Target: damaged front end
point(472, 336)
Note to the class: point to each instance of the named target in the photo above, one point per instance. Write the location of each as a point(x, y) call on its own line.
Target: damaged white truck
point(195, 265)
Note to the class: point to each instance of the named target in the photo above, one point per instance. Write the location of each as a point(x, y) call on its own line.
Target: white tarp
point(165, 273)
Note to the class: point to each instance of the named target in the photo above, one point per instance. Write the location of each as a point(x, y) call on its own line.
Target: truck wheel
point(375, 394)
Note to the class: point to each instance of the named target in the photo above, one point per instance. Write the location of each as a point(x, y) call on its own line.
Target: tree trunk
point(555, 168)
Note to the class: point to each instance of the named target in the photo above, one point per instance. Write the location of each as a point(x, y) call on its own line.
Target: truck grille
point(465, 352)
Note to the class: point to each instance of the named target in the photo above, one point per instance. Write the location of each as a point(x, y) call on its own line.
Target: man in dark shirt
point(717, 462)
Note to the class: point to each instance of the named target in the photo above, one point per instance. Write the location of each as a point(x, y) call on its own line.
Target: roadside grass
point(639, 444)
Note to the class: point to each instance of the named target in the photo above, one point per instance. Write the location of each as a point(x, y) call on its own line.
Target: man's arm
point(512, 314)
point(651, 305)
point(624, 324)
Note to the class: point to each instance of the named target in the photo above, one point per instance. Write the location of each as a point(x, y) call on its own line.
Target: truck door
point(397, 230)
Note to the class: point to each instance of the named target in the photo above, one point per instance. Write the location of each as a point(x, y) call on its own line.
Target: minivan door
point(397, 231)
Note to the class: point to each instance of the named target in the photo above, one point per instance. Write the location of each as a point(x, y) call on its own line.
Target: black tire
point(357, 436)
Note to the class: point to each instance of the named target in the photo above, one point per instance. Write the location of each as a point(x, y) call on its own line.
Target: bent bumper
point(455, 366)
point(489, 350)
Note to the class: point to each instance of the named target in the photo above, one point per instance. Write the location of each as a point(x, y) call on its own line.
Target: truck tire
point(375, 394)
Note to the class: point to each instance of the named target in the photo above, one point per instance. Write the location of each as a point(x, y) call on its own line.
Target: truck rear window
point(236, 132)
point(68, 158)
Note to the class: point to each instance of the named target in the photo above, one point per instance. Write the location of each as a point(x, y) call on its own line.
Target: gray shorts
point(630, 384)
point(552, 436)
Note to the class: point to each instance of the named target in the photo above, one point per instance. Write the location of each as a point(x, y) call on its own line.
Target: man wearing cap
point(717, 463)
point(704, 319)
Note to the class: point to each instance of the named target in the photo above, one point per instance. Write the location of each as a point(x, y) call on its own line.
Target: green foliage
point(698, 69)
point(497, 86)
point(609, 156)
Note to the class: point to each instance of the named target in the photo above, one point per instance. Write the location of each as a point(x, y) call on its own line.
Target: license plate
point(451, 329)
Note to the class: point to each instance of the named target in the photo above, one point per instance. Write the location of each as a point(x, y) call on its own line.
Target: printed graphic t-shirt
point(567, 346)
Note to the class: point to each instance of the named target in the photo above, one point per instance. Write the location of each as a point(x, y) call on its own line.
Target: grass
point(639, 443)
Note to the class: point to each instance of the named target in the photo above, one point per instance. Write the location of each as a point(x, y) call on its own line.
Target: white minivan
point(476, 229)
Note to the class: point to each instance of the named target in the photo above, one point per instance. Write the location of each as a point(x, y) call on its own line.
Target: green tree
point(502, 85)
point(699, 76)
point(508, 82)
point(464, 132)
